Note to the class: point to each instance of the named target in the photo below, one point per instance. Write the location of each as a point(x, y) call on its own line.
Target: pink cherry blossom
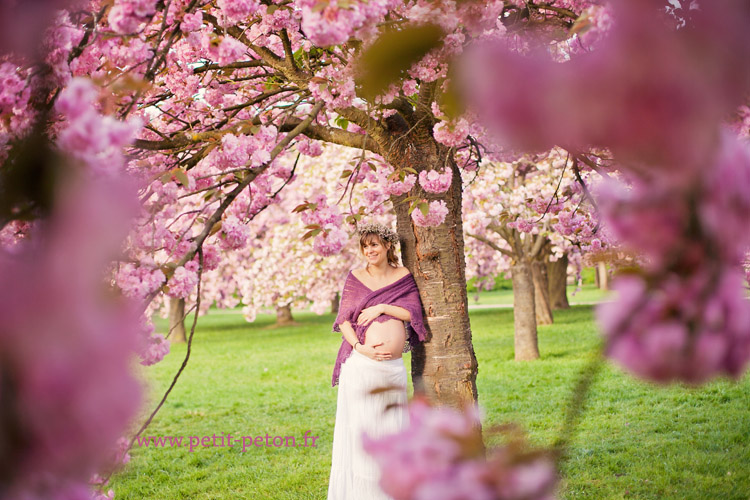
point(436, 182)
point(399, 187)
point(183, 282)
point(331, 241)
point(435, 215)
point(192, 21)
point(127, 15)
point(438, 456)
point(235, 232)
point(452, 134)
point(158, 348)
point(237, 11)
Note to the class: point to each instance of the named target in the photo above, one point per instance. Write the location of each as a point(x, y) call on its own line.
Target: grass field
point(634, 441)
point(586, 294)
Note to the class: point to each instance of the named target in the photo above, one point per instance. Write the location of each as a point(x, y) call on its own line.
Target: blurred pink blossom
point(435, 215)
point(67, 345)
point(440, 456)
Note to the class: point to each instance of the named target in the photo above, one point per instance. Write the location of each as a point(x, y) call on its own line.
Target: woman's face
point(374, 251)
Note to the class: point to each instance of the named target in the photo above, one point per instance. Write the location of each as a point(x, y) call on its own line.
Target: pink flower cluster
point(435, 214)
point(89, 136)
point(229, 50)
point(309, 147)
point(439, 457)
point(436, 182)
point(234, 233)
point(184, 280)
point(239, 151)
point(192, 22)
point(127, 15)
point(237, 11)
point(139, 281)
point(392, 185)
point(155, 350)
point(15, 113)
point(522, 225)
point(452, 134)
point(331, 241)
point(333, 24)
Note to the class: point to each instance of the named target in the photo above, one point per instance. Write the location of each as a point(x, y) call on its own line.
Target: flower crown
point(385, 233)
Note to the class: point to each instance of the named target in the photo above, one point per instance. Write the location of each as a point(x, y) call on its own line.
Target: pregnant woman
point(380, 316)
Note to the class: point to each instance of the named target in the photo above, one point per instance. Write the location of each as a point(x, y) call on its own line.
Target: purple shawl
point(356, 296)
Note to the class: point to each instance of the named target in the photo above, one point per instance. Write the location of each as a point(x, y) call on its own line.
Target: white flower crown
point(385, 233)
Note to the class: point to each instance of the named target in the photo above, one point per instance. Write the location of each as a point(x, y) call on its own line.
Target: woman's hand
point(372, 352)
point(370, 313)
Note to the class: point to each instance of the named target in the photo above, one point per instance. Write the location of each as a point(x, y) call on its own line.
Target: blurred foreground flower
point(66, 346)
point(684, 316)
point(441, 456)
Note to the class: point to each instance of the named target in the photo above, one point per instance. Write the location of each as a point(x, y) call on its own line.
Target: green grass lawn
point(586, 294)
point(635, 440)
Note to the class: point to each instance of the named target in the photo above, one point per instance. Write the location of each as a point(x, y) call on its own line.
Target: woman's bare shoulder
point(403, 270)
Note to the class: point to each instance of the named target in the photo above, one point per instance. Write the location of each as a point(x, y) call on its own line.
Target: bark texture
point(557, 274)
point(444, 368)
point(524, 313)
point(177, 320)
point(542, 306)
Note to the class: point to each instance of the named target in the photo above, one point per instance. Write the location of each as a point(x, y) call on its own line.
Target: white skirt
point(354, 473)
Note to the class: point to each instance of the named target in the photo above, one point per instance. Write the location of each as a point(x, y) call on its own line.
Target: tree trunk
point(177, 320)
point(445, 367)
point(524, 314)
point(335, 304)
point(541, 293)
point(557, 274)
point(284, 315)
point(601, 272)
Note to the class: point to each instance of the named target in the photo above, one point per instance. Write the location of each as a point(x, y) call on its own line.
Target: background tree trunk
point(601, 272)
point(524, 314)
point(557, 274)
point(335, 304)
point(284, 315)
point(177, 320)
point(541, 293)
point(444, 368)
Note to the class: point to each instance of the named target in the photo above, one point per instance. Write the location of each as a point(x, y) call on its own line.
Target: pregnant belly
point(391, 333)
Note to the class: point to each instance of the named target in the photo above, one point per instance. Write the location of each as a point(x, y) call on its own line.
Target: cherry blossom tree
point(663, 111)
point(220, 90)
point(525, 212)
point(224, 88)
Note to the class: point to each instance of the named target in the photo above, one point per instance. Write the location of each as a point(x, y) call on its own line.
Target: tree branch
point(288, 52)
point(539, 243)
point(235, 65)
point(492, 244)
